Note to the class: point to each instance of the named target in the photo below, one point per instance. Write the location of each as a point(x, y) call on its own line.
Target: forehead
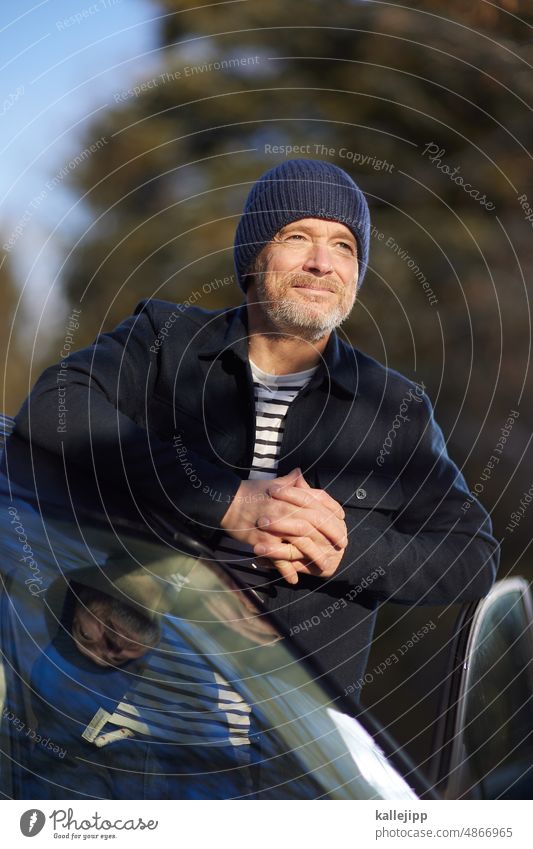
point(319, 227)
point(102, 617)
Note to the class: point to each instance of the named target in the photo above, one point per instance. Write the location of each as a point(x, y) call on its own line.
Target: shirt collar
point(339, 363)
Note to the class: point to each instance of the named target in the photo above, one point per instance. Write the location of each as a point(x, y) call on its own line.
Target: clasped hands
point(298, 528)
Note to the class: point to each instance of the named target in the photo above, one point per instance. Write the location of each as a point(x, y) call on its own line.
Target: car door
point(484, 746)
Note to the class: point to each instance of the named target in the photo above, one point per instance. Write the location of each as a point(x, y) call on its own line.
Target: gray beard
point(295, 319)
point(298, 321)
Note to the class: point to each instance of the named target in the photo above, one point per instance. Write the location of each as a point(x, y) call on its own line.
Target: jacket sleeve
point(91, 410)
point(438, 548)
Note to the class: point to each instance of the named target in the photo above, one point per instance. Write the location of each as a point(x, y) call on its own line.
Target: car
point(134, 667)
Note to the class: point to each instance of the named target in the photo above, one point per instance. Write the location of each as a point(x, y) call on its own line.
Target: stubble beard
point(309, 321)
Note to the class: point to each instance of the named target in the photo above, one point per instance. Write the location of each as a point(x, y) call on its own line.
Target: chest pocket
point(364, 490)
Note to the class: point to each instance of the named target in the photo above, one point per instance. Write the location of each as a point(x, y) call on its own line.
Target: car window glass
point(135, 670)
point(494, 744)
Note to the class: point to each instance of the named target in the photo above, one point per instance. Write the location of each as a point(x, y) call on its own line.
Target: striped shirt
point(273, 394)
point(179, 699)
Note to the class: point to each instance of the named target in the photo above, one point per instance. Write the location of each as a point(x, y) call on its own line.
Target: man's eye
point(84, 635)
point(346, 246)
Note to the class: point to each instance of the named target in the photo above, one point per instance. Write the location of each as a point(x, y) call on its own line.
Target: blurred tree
point(15, 364)
point(409, 100)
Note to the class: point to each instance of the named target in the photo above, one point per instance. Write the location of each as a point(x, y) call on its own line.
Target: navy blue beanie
point(295, 189)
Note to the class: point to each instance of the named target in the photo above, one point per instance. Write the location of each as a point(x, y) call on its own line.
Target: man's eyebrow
point(337, 233)
point(343, 235)
point(294, 225)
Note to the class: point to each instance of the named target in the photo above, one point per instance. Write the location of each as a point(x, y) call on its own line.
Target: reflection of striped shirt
point(273, 395)
point(180, 698)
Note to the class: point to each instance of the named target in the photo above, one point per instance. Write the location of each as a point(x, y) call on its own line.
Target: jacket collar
point(339, 364)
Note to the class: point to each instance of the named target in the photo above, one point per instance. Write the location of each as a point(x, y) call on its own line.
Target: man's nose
point(318, 260)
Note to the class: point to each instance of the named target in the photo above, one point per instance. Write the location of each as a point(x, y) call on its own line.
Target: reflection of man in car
point(320, 476)
point(68, 687)
point(109, 631)
point(126, 727)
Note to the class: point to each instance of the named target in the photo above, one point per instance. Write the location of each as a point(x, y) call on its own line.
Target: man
point(108, 631)
point(319, 475)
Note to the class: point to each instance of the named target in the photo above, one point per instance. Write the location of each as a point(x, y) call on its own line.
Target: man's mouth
point(314, 288)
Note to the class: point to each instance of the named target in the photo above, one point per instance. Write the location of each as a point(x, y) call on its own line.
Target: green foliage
point(14, 387)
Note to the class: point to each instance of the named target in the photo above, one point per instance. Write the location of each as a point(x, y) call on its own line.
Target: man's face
point(304, 281)
point(98, 635)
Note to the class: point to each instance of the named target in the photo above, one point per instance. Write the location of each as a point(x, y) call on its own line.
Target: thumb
point(291, 478)
point(301, 482)
point(296, 478)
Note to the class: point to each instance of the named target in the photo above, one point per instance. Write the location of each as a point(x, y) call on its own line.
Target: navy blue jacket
point(162, 408)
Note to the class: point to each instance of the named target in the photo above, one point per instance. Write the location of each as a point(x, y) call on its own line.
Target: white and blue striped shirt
point(274, 394)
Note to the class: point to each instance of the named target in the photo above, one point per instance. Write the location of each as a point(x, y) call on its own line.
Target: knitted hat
point(295, 189)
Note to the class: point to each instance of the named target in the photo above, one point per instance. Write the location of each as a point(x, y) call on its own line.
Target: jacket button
point(360, 493)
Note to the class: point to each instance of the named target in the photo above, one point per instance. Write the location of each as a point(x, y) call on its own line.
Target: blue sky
point(55, 72)
point(60, 62)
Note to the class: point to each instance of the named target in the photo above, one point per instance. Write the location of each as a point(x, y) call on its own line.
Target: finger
point(287, 570)
point(283, 550)
point(287, 552)
point(324, 558)
point(304, 497)
point(302, 567)
point(329, 502)
point(320, 527)
point(290, 479)
point(301, 482)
